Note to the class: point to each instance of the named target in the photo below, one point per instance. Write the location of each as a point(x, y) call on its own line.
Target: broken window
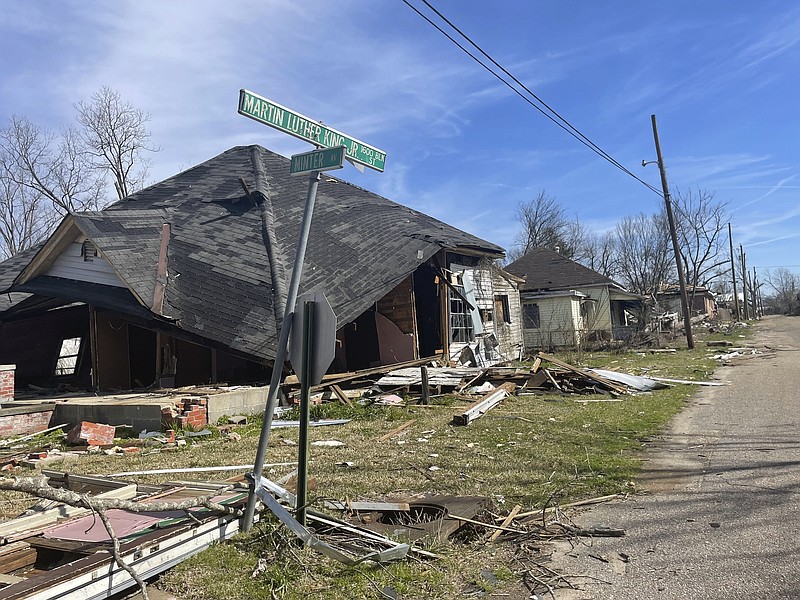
point(486, 315)
point(530, 316)
point(67, 363)
point(461, 327)
point(502, 308)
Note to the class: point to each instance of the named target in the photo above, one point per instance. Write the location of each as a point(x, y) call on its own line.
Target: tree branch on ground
point(39, 487)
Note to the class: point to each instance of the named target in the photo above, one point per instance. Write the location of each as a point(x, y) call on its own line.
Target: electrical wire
point(544, 109)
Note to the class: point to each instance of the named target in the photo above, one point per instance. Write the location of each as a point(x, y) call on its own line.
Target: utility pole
point(687, 319)
point(744, 282)
point(733, 273)
point(754, 291)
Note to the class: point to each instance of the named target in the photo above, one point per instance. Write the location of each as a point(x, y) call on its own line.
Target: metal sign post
point(273, 114)
point(312, 346)
point(305, 412)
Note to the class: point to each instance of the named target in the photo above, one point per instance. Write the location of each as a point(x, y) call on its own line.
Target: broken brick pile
point(91, 434)
point(190, 413)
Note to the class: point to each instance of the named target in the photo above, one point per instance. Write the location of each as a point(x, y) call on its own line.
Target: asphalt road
point(720, 520)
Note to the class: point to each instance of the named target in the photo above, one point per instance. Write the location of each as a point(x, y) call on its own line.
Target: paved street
point(721, 519)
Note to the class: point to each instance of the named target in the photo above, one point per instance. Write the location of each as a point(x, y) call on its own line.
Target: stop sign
point(323, 336)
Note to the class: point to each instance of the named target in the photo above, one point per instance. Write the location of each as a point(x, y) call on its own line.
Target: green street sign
point(273, 114)
point(326, 159)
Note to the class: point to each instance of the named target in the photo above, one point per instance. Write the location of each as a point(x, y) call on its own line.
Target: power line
point(544, 109)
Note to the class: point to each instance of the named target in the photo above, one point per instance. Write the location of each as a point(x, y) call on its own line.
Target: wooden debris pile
point(416, 382)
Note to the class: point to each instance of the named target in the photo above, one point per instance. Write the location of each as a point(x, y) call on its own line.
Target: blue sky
point(721, 77)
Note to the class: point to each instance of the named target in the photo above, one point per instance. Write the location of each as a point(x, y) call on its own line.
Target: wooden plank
point(340, 395)
point(397, 430)
point(570, 505)
point(472, 381)
point(486, 525)
point(535, 381)
point(506, 522)
point(536, 364)
point(552, 379)
point(16, 555)
point(72, 546)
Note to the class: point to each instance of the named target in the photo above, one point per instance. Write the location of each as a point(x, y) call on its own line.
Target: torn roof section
point(220, 283)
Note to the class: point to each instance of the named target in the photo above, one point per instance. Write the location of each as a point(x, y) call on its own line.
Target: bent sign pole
point(326, 157)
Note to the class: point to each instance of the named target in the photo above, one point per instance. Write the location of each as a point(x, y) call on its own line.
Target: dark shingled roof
point(220, 281)
point(545, 269)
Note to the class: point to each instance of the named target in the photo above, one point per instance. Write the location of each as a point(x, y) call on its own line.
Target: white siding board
point(70, 265)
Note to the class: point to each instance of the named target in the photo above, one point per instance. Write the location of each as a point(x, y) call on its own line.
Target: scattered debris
point(277, 423)
point(328, 443)
point(141, 530)
point(636, 382)
point(394, 552)
point(429, 517)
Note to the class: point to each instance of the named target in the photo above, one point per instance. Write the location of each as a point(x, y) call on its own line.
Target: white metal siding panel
point(602, 317)
point(71, 265)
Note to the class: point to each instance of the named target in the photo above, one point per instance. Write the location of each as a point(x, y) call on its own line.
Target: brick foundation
point(23, 421)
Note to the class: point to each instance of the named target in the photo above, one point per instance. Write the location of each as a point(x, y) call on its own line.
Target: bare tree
point(644, 253)
point(115, 136)
point(785, 286)
point(46, 175)
point(26, 216)
point(600, 253)
point(700, 223)
point(543, 224)
point(52, 166)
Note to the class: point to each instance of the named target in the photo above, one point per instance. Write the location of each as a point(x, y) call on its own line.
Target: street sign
point(323, 337)
point(273, 114)
point(327, 159)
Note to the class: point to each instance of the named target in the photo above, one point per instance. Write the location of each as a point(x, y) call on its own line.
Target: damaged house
point(567, 304)
point(184, 282)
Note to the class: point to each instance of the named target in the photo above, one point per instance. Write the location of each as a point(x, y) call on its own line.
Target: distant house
point(185, 282)
point(567, 304)
point(702, 301)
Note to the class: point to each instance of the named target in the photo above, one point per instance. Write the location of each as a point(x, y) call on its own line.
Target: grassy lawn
point(530, 450)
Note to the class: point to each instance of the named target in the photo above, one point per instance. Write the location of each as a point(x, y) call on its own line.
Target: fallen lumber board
point(506, 522)
point(550, 509)
point(396, 430)
point(485, 404)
